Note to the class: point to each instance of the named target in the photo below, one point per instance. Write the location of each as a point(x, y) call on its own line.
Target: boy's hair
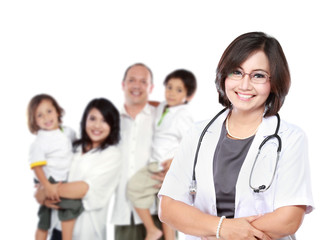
point(111, 116)
point(32, 107)
point(186, 77)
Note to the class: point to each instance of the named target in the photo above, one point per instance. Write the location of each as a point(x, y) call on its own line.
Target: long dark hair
point(110, 115)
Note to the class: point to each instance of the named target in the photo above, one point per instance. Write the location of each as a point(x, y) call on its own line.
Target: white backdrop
point(79, 50)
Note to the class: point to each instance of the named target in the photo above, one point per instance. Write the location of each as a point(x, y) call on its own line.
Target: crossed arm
point(282, 222)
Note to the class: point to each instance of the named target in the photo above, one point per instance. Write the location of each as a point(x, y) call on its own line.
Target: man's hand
point(161, 175)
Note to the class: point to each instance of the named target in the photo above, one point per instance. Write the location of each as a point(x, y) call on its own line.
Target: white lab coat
point(291, 185)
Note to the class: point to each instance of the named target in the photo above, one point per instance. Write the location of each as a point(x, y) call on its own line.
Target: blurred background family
point(242, 175)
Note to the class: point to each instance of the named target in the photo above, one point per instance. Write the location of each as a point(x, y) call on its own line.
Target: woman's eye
point(259, 75)
point(92, 118)
point(237, 72)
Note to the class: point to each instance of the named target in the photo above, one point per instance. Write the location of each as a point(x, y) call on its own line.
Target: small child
point(173, 119)
point(50, 158)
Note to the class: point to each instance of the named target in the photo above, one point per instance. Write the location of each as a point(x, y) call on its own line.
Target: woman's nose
point(97, 124)
point(245, 83)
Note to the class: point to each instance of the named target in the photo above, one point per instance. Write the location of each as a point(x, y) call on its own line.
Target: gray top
point(227, 161)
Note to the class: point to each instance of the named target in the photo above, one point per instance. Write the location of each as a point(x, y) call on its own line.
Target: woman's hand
point(198, 223)
point(40, 194)
point(51, 191)
point(241, 229)
point(51, 203)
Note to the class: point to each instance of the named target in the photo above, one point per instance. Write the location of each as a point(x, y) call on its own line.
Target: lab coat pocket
point(264, 201)
point(263, 174)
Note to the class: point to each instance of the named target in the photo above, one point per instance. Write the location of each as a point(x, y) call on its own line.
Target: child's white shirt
point(53, 151)
point(168, 134)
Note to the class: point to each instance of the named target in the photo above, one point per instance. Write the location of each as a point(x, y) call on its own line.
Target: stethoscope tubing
point(200, 141)
point(262, 188)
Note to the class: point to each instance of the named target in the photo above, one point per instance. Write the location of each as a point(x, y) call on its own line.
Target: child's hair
point(186, 77)
point(32, 107)
point(110, 115)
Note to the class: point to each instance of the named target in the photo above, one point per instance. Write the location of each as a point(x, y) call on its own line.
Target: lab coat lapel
point(204, 169)
point(266, 128)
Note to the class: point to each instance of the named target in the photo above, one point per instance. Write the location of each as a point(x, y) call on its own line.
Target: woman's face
point(96, 127)
point(245, 95)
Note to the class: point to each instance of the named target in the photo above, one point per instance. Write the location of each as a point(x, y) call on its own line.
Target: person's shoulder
point(291, 129)
point(161, 105)
point(41, 140)
point(202, 124)
point(113, 149)
point(67, 129)
point(43, 135)
point(111, 153)
point(69, 132)
point(196, 128)
point(151, 107)
point(184, 109)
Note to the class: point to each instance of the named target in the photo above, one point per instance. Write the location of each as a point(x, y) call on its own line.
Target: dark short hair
point(243, 47)
point(141, 65)
point(32, 107)
point(186, 77)
point(110, 115)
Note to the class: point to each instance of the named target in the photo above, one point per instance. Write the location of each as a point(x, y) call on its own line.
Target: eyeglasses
point(259, 77)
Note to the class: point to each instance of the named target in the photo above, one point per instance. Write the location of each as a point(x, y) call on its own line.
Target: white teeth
point(244, 96)
point(136, 93)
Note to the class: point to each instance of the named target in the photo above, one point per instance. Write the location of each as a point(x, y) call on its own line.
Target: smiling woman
point(247, 96)
point(93, 174)
point(77, 51)
point(222, 194)
point(97, 127)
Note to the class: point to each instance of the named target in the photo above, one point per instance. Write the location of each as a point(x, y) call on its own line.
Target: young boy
point(173, 119)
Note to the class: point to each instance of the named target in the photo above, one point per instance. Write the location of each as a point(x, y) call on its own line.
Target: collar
point(175, 108)
point(266, 128)
point(147, 110)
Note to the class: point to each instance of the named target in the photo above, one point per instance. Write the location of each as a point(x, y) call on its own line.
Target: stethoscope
point(259, 189)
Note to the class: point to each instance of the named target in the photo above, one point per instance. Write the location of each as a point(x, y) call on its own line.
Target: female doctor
point(238, 195)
